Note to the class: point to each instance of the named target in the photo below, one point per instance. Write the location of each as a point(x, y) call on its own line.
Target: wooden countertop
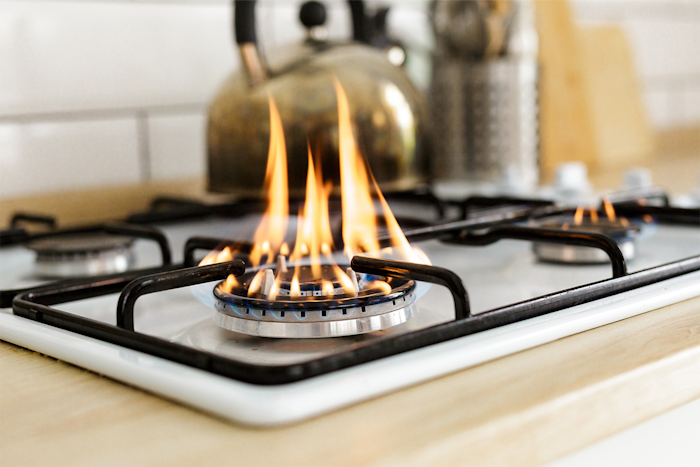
point(520, 410)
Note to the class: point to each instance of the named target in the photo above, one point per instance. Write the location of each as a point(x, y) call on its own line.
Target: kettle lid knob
point(312, 14)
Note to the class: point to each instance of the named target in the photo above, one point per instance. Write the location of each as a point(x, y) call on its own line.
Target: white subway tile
point(676, 107)
point(665, 40)
point(670, 107)
point(410, 25)
point(67, 55)
point(612, 10)
point(177, 146)
point(265, 24)
point(664, 48)
point(691, 99)
point(283, 26)
point(666, 106)
point(52, 156)
point(657, 106)
point(339, 21)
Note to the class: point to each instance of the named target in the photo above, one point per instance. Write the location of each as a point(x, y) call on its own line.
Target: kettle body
point(388, 116)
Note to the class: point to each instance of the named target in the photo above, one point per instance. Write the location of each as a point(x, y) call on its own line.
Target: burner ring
point(76, 255)
point(624, 236)
point(316, 317)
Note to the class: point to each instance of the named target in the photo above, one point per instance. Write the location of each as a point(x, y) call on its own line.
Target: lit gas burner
point(317, 295)
point(621, 230)
point(314, 307)
point(82, 254)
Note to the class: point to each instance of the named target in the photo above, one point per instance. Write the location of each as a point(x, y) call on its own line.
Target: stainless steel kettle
point(388, 112)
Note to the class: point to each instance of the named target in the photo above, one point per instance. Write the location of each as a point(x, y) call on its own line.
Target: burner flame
point(359, 221)
point(579, 215)
point(314, 246)
point(609, 209)
point(216, 257)
point(273, 228)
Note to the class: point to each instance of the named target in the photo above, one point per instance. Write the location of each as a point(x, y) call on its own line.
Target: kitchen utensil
point(484, 94)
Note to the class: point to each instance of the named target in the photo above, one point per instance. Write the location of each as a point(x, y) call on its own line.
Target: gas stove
point(507, 274)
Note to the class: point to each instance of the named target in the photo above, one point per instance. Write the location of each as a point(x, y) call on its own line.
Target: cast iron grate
point(38, 304)
point(122, 229)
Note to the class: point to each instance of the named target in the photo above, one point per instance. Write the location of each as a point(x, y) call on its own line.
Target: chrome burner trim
point(91, 264)
point(316, 329)
point(82, 254)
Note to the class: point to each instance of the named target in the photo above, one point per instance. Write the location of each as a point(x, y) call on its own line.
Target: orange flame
point(270, 234)
point(609, 209)
point(359, 222)
point(314, 240)
point(359, 219)
point(327, 287)
point(381, 285)
point(314, 228)
point(230, 283)
point(216, 257)
point(295, 291)
point(594, 216)
point(256, 283)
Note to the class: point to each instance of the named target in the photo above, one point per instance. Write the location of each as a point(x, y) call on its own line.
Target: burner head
point(622, 231)
point(314, 312)
point(76, 255)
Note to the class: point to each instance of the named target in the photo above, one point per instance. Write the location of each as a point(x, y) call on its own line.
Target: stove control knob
point(572, 178)
point(637, 177)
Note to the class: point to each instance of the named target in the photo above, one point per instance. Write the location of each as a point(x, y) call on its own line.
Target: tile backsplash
point(107, 92)
point(665, 39)
point(100, 92)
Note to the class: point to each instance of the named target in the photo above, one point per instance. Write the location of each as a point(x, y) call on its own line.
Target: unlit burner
point(315, 313)
point(76, 255)
point(622, 231)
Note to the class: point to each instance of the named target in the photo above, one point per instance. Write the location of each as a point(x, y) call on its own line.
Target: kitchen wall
point(665, 39)
point(98, 92)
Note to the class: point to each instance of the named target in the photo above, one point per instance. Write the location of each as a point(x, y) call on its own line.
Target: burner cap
point(315, 314)
point(623, 233)
point(614, 229)
point(86, 254)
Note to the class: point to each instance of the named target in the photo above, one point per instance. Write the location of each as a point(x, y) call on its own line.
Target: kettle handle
point(246, 38)
point(244, 21)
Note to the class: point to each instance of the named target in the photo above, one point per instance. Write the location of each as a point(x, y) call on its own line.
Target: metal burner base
point(81, 255)
point(315, 329)
point(316, 316)
point(579, 254)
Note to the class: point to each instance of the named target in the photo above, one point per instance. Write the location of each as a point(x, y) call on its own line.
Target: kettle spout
point(252, 62)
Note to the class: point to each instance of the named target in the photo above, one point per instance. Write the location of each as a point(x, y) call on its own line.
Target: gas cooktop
point(506, 274)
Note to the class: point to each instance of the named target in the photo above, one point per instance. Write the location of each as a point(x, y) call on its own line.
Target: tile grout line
point(143, 140)
point(103, 114)
point(681, 14)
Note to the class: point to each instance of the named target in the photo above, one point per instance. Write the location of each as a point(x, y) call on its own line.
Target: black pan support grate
point(38, 304)
point(171, 209)
point(137, 231)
